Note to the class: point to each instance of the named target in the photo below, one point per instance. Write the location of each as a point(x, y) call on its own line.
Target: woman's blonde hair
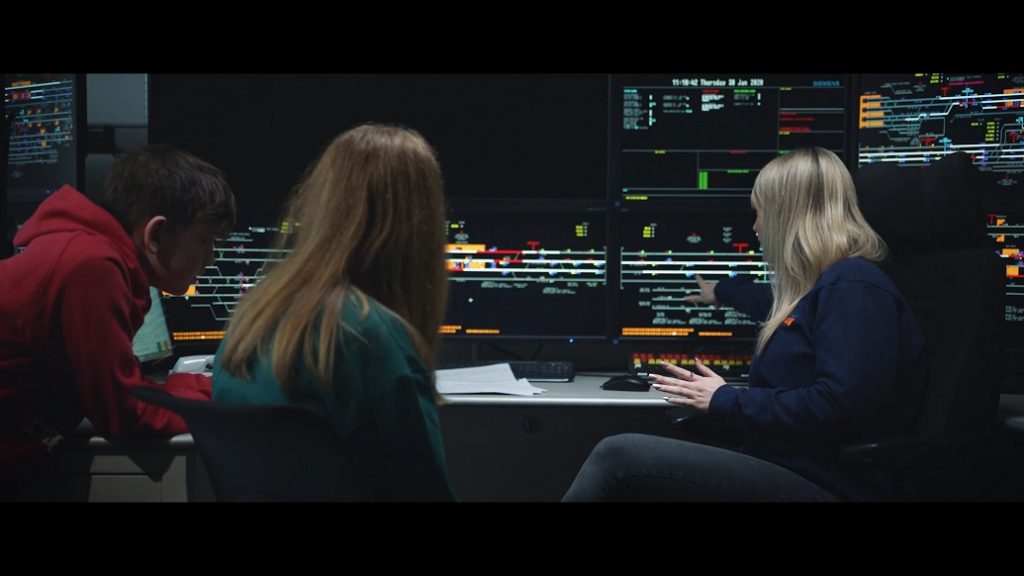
point(368, 220)
point(809, 221)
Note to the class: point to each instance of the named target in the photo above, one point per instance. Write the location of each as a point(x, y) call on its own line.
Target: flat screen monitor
point(6, 249)
point(527, 270)
point(499, 138)
point(45, 114)
point(915, 119)
point(661, 254)
point(153, 341)
point(684, 137)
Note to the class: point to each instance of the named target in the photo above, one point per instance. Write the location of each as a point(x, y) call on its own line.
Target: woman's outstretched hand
point(689, 388)
point(707, 293)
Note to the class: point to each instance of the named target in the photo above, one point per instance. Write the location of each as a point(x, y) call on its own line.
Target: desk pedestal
point(529, 449)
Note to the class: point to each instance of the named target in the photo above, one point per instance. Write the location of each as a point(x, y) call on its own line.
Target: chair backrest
point(943, 262)
point(266, 453)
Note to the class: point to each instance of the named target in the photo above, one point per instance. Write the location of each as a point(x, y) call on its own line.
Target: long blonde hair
point(369, 220)
point(809, 221)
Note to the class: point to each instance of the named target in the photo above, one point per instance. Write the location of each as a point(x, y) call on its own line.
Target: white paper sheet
point(493, 379)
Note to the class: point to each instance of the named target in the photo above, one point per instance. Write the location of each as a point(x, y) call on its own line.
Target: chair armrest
point(684, 415)
point(1015, 423)
point(911, 452)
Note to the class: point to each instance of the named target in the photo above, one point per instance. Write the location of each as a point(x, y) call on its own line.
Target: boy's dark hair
point(163, 180)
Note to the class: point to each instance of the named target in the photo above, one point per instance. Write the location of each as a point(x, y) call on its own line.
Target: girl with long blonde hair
point(836, 361)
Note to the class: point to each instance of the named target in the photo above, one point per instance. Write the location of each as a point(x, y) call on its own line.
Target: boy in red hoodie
point(71, 302)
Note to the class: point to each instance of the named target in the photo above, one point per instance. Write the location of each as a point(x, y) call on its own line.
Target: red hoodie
point(70, 304)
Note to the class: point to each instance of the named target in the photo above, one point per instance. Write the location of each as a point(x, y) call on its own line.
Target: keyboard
point(532, 370)
point(734, 368)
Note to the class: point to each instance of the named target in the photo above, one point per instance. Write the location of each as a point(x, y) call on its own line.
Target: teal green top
point(381, 401)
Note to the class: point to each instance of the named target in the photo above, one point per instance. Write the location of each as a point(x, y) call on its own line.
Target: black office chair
point(943, 262)
point(266, 453)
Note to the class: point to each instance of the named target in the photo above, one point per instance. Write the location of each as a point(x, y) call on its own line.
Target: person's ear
point(153, 233)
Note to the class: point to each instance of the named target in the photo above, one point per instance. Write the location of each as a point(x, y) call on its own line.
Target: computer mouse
point(628, 383)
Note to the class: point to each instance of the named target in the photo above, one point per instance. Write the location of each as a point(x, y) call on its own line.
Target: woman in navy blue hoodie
point(836, 361)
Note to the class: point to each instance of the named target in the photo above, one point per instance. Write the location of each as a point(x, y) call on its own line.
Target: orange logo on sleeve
point(789, 321)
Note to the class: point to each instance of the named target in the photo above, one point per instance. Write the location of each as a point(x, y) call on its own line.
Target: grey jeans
point(642, 468)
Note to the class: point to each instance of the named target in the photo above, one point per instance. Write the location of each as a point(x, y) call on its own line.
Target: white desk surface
point(585, 390)
point(85, 429)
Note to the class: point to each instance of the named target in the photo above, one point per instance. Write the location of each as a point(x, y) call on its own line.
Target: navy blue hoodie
point(844, 366)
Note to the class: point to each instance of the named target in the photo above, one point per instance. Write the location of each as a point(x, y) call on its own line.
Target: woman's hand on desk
point(689, 387)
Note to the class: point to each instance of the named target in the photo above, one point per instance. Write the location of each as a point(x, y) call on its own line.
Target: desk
point(90, 468)
point(498, 448)
point(529, 448)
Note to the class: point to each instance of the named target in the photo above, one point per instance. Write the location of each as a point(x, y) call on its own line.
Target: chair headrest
point(935, 207)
